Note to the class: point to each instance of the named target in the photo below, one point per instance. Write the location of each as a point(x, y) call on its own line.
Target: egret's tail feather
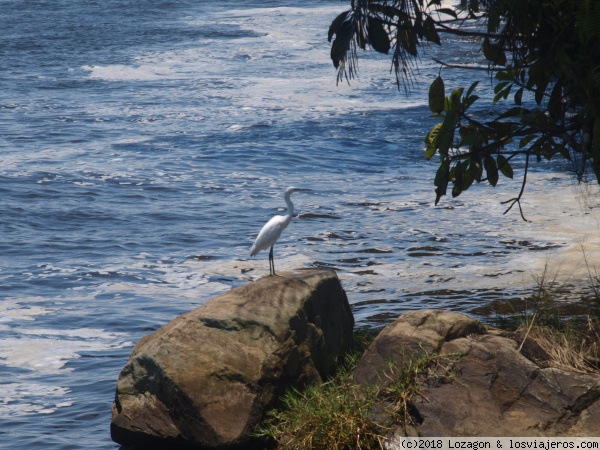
point(254, 251)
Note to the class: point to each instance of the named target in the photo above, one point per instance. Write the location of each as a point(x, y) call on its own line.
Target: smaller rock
point(495, 390)
point(411, 336)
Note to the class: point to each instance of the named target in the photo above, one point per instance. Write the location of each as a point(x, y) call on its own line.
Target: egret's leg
point(271, 262)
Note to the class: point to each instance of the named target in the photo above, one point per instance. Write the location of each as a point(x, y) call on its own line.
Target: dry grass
point(575, 350)
point(573, 343)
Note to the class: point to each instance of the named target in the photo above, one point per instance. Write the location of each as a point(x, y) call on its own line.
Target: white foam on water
point(24, 398)
point(47, 351)
point(120, 72)
point(241, 71)
point(13, 310)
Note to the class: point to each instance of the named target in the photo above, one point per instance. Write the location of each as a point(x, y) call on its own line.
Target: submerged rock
point(485, 386)
point(207, 377)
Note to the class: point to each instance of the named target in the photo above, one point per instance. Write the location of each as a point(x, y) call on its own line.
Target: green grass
point(339, 414)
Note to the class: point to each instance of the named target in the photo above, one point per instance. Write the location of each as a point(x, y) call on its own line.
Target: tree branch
point(517, 199)
point(460, 66)
point(450, 30)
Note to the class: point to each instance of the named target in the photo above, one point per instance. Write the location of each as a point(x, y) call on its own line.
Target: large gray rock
point(207, 377)
point(494, 390)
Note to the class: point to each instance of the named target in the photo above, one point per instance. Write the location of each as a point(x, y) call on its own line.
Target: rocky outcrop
point(207, 377)
point(485, 387)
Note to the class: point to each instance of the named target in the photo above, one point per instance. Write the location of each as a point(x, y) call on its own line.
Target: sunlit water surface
point(143, 146)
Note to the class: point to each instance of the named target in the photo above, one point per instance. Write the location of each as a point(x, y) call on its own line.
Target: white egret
point(273, 228)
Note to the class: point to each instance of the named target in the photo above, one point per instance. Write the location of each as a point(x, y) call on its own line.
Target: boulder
point(207, 377)
point(492, 390)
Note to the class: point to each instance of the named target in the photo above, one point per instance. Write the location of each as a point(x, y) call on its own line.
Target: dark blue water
point(144, 144)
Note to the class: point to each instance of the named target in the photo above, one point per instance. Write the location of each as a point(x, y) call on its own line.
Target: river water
point(144, 144)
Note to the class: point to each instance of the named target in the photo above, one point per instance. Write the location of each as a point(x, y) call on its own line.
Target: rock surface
point(207, 377)
point(494, 391)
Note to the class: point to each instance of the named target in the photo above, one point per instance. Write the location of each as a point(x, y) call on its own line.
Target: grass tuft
point(340, 414)
point(571, 340)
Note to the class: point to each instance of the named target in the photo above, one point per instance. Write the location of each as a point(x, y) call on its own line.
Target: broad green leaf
point(518, 96)
point(476, 169)
point(437, 95)
point(444, 140)
point(341, 44)
point(505, 167)
point(458, 180)
point(442, 177)
point(491, 169)
point(430, 32)
point(526, 140)
point(448, 11)
point(468, 174)
point(503, 93)
point(335, 25)
point(378, 37)
point(493, 53)
point(470, 100)
point(500, 86)
point(471, 89)
point(432, 135)
point(430, 151)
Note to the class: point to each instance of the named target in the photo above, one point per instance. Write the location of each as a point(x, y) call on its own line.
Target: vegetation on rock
point(544, 56)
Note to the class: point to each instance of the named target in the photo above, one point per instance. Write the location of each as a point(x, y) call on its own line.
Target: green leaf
point(431, 141)
point(448, 11)
point(500, 86)
point(468, 174)
point(526, 140)
point(470, 100)
point(430, 32)
point(519, 96)
point(493, 53)
point(437, 95)
point(458, 180)
point(446, 134)
point(505, 167)
point(442, 177)
point(502, 93)
point(341, 43)
point(476, 170)
point(378, 37)
point(335, 25)
point(491, 169)
point(471, 89)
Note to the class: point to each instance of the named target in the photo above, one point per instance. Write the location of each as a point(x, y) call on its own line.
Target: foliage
point(545, 59)
point(333, 415)
point(338, 414)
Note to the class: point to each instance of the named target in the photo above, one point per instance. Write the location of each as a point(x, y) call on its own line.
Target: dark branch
point(517, 199)
point(461, 66)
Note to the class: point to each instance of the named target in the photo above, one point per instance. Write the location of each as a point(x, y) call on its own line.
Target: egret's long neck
point(290, 205)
